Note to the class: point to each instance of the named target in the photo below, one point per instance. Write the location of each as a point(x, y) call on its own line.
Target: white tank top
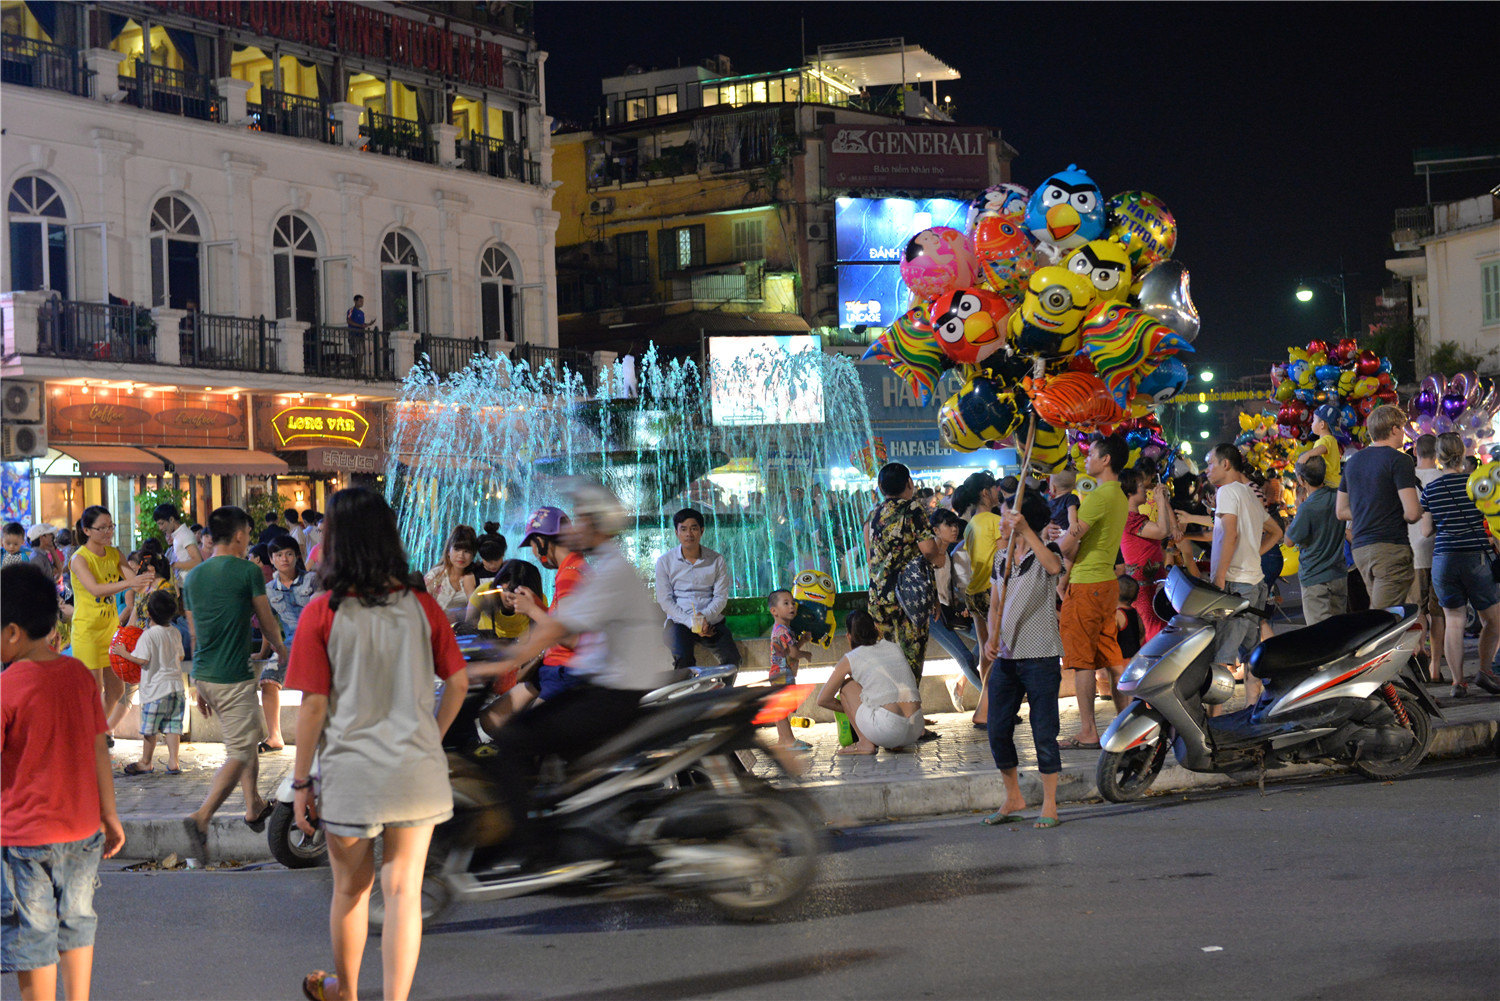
point(882, 672)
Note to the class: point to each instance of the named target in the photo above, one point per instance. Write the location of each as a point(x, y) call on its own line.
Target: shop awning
point(119, 460)
point(220, 462)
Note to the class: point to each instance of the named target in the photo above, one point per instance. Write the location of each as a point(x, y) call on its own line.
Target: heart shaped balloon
point(1165, 298)
point(1424, 403)
point(1453, 405)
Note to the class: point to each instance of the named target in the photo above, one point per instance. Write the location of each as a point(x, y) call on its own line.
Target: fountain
point(497, 440)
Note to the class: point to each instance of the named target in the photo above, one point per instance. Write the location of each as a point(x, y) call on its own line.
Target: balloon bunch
point(1462, 405)
point(1264, 446)
point(1143, 436)
point(1063, 310)
point(1340, 384)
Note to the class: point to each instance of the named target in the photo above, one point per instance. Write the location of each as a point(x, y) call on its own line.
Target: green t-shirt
point(1104, 511)
point(218, 593)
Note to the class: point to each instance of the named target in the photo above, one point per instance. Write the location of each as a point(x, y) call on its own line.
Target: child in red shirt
point(56, 791)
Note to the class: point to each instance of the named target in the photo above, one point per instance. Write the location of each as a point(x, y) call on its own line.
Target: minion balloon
point(1047, 322)
point(1066, 210)
point(1484, 490)
point(813, 590)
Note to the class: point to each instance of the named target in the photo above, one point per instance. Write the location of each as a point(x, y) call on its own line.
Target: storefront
point(326, 444)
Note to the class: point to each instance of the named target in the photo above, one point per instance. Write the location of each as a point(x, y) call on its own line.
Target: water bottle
point(846, 732)
point(800, 720)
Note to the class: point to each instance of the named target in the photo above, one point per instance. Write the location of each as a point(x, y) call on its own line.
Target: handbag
point(916, 589)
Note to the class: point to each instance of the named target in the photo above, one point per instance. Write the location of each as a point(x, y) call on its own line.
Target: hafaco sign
point(906, 156)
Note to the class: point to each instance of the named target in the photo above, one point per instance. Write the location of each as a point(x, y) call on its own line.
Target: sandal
point(174, 771)
point(997, 818)
point(1044, 823)
point(134, 768)
point(1074, 744)
point(315, 986)
point(259, 823)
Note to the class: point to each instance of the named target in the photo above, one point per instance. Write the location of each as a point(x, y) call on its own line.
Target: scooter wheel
point(289, 845)
point(786, 841)
point(1123, 776)
point(1421, 728)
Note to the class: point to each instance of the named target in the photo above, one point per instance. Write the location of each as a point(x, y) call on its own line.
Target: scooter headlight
point(1136, 670)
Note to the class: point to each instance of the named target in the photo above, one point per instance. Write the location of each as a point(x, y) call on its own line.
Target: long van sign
point(906, 157)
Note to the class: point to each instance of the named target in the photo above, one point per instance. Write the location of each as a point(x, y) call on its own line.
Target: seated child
point(163, 700)
point(56, 793)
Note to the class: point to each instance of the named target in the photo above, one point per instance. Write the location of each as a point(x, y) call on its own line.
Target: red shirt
point(568, 576)
point(49, 787)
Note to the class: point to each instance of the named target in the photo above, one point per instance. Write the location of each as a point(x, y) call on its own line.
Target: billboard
point(870, 234)
point(765, 379)
point(907, 156)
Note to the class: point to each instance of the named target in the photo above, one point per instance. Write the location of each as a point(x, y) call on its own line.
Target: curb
point(842, 804)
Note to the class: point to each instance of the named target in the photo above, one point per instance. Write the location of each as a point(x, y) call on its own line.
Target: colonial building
point(197, 191)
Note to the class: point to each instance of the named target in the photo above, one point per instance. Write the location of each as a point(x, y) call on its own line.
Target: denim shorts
point(1464, 578)
point(553, 680)
point(273, 670)
point(47, 903)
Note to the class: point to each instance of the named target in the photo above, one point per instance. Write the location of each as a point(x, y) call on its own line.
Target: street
point(1324, 888)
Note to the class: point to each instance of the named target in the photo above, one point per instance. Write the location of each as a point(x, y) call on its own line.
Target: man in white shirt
point(1242, 531)
point(182, 549)
point(692, 588)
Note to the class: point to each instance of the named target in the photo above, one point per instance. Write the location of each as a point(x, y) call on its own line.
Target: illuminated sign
point(319, 425)
point(870, 234)
point(907, 156)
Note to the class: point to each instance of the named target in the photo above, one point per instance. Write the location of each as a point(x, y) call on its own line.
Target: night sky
point(1280, 135)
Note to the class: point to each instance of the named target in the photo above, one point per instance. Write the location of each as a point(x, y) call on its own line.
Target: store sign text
point(316, 425)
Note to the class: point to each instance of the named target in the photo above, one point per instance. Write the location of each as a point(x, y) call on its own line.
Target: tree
point(1398, 342)
point(1450, 359)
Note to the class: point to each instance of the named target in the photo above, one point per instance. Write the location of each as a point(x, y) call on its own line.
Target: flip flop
point(198, 840)
point(801, 745)
point(174, 771)
point(259, 823)
point(1046, 823)
point(315, 986)
point(997, 818)
point(1074, 744)
point(265, 748)
point(134, 768)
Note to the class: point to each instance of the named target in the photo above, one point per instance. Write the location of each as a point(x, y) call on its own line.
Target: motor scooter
point(1345, 690)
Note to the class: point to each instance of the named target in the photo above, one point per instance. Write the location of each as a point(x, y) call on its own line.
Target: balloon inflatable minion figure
point(813, 591)
point(1483, 487)
point(1047, 322)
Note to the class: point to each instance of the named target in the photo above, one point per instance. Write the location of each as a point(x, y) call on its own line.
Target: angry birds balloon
point(1047, 322)
point(937, 261)
point(814, 591)
point(1141, 223)
point(1106, 265)
point(1066, 210)
point(978, 414)
point(969, 324)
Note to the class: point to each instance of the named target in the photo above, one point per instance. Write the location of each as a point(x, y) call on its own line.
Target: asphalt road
point(1326, 888)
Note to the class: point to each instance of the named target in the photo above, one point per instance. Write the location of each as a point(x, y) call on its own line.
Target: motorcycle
point(1345, 690)
point(667, 804)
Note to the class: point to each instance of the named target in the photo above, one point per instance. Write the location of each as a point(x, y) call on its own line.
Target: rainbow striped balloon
point(910, 349)
point(1126, 345)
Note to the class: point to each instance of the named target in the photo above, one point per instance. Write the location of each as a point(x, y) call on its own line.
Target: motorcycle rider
point(617, 657)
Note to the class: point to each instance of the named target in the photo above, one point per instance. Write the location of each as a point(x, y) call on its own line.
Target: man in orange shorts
point(1088, 610)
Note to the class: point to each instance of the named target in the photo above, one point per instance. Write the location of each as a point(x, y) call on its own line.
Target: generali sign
point(906, 156)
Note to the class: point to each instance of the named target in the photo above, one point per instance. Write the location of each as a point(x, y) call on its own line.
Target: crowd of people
point(1022, 581)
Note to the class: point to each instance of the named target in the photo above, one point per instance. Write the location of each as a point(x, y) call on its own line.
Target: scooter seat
point(1302, 651)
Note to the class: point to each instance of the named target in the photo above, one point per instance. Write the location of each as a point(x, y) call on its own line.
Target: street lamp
point(1202, 434)
point(1206, 375)
point(1336, 282)
point(1203, 408)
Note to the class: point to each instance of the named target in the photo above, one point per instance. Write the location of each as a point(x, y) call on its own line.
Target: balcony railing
point(339, 352)
point(239, 343)
point(96, 331)
point(538, 357)
point(294, 115)
point(31, 62)
point(392, 136)
point(498, 158)
point(446, 355)
point(173, 92)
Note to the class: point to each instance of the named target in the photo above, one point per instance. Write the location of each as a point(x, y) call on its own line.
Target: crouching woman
point(875, 688)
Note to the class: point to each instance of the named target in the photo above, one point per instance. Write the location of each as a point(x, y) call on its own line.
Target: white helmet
point(601, 507)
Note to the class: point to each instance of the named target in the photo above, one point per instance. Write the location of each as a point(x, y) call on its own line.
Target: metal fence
point(239, 343)
point(392, 136)
point(498, 158)
point(96, 331)
point(31, 62)
point(537, 357)
point(340, 352)
point(294, 115)
point(447, 354)
point(173, 92)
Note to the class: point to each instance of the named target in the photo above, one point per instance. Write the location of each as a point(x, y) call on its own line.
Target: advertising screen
point(766, 379)
point(870, 234)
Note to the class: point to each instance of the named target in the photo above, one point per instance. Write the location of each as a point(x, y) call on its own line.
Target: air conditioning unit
point(23, 441)
point(601, 206)
point(817, 231)
point(22, 401)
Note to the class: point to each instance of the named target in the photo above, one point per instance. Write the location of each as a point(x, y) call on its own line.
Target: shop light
point(58, 391)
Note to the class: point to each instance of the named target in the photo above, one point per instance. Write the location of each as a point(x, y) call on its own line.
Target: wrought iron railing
point(31, 62)
point(537, 357)
point(447, 354)
point(239, 343)
point(392, 136)
point(96, 331)
point(173, 92)
point(295, 115)
point(498, 158)
point(338, 351)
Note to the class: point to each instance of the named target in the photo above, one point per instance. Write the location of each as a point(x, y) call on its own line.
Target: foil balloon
point(1452, 406)
point(1424, 403)
point(937, 261)
point(815, 588)
point(977, 414)
point(1049, 448)
point(1047, 322)
point(869, 459)
point(910, 349)
point(1168, 379)
point(1000, 200)
point(1141, 223)
point(1164, 295)
point(1075, 400)
point(969, 324)
point(1066, 210)
point(1006, 255)
point(1125, 345)
point(1368, 364)
point(1483, 487)
point(1104, 264)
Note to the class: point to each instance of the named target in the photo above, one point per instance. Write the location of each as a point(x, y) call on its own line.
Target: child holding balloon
point(1327, 446)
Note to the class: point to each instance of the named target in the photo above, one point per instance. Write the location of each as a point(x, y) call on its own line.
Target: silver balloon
point(1165, 297)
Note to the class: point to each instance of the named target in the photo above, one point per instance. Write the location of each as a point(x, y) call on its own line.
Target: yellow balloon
point(1291, 559)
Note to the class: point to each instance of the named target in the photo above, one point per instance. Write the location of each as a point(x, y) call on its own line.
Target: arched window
point(294, 264)
point(499, 296)
point(176, 255)
point(38, 237)
point(400, 283)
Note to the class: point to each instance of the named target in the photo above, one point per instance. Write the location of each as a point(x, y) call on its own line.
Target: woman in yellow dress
point(97, 578)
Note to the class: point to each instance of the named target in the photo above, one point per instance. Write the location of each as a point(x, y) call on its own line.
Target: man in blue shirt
point(356, 317)
point(1319, 535)
point(692, 587)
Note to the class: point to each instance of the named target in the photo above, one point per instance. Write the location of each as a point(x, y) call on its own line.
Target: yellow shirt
point(980, 539)
point(1104, 511)
point(89, 611)
point(1332, 460)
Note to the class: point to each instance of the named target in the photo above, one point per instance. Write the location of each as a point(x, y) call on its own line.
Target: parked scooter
point(1344, 690)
